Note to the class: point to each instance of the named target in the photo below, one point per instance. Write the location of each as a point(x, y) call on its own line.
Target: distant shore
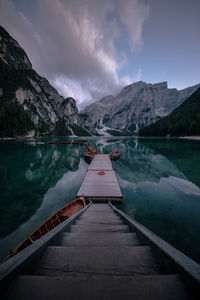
point(22, 139)
point(197, 138)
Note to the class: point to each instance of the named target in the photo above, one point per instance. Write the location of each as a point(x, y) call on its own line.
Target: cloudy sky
point(91, 48)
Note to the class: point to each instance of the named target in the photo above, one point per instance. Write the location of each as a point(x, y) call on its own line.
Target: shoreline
point(194, 138)
point(25, 138)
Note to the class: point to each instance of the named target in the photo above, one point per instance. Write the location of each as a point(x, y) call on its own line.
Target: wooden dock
point(100, 187)
point(100, 253)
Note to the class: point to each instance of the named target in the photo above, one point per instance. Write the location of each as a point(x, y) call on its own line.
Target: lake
point(159, 179)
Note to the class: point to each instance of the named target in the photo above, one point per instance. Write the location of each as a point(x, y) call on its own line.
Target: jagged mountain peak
point(141, 85)
point(137, 105)
point(11, 53)
point(129, 87)
point(28, 101)
point(160, 85)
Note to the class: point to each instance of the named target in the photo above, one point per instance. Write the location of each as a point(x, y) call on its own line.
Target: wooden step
point(63, 261)
point(105, 187)
point(99, 207)
point(99, 228)
point(102, 239)
point(94, 221)
point(100, 213)
point(153, 287)
point(99, 217)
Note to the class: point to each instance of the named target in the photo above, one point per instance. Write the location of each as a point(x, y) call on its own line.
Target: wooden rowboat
point(52, 143)
point(75, 143)
point(78, 143)
point(60, 216)
point(114, 154)
point(88, 155)
point(93, 150)
point(162, 272)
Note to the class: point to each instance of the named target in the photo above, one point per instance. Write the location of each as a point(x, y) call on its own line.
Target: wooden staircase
point(98, 258)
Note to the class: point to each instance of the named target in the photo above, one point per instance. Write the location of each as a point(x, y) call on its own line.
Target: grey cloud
point(133, 16)
point(75, 40)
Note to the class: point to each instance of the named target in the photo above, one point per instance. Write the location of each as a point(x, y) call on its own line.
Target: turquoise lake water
point(159, 179)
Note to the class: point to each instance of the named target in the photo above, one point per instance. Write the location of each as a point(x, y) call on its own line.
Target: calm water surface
point(159, 179)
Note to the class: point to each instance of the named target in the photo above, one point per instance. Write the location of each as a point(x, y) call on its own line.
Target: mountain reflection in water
point(157, 178)
point(27, 172)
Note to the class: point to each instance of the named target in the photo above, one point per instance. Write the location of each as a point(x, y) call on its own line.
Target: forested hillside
point(185, 120)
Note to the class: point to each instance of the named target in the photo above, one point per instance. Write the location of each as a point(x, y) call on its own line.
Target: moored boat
point(114, 154)
point(88, 155)
point(60, 216)
point(93, 150)
point(52, 143)
point(52, 267)
point(75, 143)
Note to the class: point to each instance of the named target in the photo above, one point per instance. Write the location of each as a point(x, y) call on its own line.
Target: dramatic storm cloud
point(73, 43)
point(91, 48)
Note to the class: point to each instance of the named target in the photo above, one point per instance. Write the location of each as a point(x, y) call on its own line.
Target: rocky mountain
point(183, 121)
point(136, 106)
point(29, 102)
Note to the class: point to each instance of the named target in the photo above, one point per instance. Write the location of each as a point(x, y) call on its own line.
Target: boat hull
point(60, 216)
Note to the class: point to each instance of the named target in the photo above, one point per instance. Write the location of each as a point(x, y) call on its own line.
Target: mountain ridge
point(183, 121)
point(29, 101)
point(136, 106)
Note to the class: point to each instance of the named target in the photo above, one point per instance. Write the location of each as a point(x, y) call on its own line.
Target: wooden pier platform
point(93, 256)
point(100, 187)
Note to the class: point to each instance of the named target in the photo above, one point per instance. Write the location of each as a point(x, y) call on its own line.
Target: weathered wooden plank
point(101, 157)
point(151, 287)
point(95, 185)
point(101, 162)
point(92, 177)
point(104, 165)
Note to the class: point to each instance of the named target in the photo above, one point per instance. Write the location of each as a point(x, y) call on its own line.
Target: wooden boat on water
point(141, 265)
point(75, 143)
point(69, 261)
point(60, 216)
point(114, 154)
point(68, 143)
point(93, 150)
point(88, 155)
point(52, 143)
